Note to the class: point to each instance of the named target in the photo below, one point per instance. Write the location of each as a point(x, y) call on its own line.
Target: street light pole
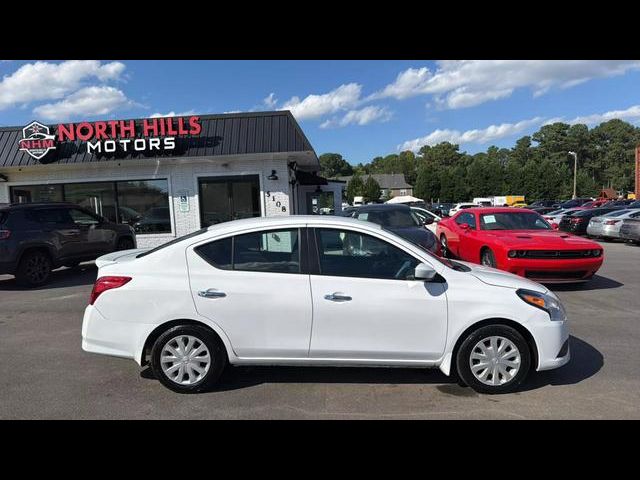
point(575, 172)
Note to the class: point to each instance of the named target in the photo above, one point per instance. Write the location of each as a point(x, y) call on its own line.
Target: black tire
point(216, 350)
point(444, 246)
point(487, 258)
point(34, 269)
point(125, 244)
point(463, 359)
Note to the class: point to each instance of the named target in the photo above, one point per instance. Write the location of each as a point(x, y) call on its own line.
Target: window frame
point(474, 226)
point(303, 251)
point(314, 259)
point(114, 182)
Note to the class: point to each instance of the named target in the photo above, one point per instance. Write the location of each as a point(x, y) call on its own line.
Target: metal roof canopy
point(221, 135)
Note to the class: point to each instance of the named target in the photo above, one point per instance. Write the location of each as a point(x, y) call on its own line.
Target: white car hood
point(499, 278)
point(119, 257)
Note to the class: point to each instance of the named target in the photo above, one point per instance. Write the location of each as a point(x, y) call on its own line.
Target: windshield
point(513, 221)
point(174, 241)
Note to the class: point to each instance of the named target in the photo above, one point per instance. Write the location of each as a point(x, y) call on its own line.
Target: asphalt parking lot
point(46, 375)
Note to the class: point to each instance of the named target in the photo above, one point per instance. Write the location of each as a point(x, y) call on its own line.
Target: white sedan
point(311, 290)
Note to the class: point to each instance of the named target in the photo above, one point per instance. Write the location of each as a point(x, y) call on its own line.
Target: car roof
point(285, 220)
point(499, 210)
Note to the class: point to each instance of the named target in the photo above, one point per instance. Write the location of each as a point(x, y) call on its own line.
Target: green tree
point(371, 190)
point(355, 188)
point(333, 165)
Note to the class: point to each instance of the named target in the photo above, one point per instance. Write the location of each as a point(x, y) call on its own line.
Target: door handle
point(337, 297)
point(211, 293)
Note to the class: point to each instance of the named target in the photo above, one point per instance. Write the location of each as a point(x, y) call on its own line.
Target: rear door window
point(56, 216)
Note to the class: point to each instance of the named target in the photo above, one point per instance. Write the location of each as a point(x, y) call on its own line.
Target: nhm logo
point(36, 140)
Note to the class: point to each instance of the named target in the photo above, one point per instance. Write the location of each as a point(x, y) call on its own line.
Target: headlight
point(549, 304)
point(512, 253)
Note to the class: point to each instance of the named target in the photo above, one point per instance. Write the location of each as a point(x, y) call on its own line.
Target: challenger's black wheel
point(488, 259)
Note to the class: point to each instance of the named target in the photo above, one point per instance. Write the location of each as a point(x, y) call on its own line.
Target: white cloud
point(363, 116)
point(270, 101)
point(174, 114)
point(314, 106)
point(478, 136)
point(88, 101)
point(459, 84)
point(629, 114)
point(50, 81)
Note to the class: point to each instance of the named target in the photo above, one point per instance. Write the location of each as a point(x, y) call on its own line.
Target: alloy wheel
point(37, 268)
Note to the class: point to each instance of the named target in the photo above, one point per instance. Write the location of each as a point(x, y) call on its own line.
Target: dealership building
point(169, 176)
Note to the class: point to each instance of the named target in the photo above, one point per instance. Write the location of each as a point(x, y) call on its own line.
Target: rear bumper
point(554, 271)
point(115, 338)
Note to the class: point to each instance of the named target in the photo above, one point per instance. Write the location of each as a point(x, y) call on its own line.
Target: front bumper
point(115, 338)
point(552, 341)
point(553, 270)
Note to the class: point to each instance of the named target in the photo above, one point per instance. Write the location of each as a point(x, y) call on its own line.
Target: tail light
point(106, 283)
point(611, 222)
point(4, 234)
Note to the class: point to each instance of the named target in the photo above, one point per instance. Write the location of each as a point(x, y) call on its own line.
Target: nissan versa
point(315, 290)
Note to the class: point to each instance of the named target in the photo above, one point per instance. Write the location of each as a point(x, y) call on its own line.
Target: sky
point(360, 109)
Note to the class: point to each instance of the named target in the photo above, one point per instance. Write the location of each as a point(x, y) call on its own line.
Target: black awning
point(309, 178)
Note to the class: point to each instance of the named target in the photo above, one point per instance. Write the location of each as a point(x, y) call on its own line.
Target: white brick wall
point(182, 175)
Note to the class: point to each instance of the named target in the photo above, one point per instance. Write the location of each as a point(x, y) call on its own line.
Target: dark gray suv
point(38, 237)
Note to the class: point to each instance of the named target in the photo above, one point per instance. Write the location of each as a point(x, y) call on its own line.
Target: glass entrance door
point(228, 198)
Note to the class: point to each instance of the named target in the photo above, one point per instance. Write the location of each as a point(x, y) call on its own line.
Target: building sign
point(36, 140)
point(152, 134)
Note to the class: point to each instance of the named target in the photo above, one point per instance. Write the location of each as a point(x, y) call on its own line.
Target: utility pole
point(575, 172)
point(637, 192)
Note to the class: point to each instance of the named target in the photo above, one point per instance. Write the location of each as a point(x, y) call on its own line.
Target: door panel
point(361, 318)
point(265, 314)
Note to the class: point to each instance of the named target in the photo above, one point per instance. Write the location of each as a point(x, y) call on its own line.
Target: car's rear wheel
point(488, 259)
point(188, 358)
point(34, 269)
point(444, 246)
point(125, 244)
point(494, 359)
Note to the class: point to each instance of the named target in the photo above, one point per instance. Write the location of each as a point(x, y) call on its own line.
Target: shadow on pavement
point(585, 362)
point(596, 283)
point(84, 274)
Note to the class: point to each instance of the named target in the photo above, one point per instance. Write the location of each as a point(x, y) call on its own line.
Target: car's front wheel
point(494, 359)
point(444, 246)
point(488, 259)
point(188, 358)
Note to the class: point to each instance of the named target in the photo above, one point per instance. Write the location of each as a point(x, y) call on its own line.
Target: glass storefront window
point(228, 198)
point(36, 193)
point(99, 198)
point(144, 205)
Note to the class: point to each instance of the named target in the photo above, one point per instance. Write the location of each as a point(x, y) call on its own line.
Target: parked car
point(577, 222)
point(544, 203)
point(158, 219)
point(635, 204)
point(461, 206)
point(441, 209)
point(428, 218)
point(400, 220)
point(541, 210)
point(248, 292)
point(608, 226)
point(596, 203)
point(630, 230)
point(36, 238)
point(576, 202)
point(553, 218)
point(519, 241)
point(619, 203)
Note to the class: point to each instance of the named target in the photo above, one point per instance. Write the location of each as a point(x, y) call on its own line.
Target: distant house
point(391, 184)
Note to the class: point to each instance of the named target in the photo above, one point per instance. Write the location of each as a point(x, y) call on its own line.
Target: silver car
point(630, 230)
point(556, 215)
point(608, 226)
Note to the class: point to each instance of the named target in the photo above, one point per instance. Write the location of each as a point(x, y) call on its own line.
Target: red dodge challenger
point(519, 241)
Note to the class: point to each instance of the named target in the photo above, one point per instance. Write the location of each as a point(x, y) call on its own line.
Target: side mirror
point(427, 221)
point(555, 226)
point(424, 272)
point(464, 226)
